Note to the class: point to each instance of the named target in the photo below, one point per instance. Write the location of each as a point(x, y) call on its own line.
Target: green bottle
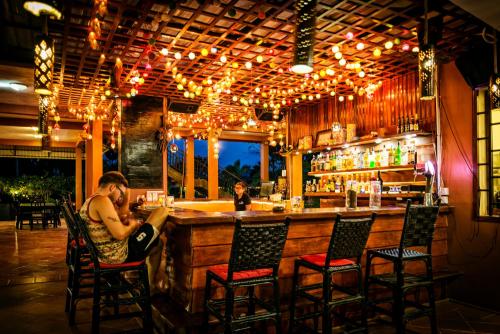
point(397, 156)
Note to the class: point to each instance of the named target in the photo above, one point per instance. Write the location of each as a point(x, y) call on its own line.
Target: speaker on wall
point(183, 107)
point(267, 115)
point(476, 65)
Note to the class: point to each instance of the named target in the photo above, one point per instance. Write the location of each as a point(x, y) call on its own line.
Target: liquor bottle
point(314, 187)
point(412, 124)
point(342, 184)
point(366, 159)
point(398, 131)
point(313, 164)
point(326, 165)
point(404, 155)
point(379, 179)
point(337, 185)
point(385, 157)
point(416, 125)
point(377, 158)
point(372, 159)
point(339, 160)
point(333, 161)
point(397, 156)
point(407, 125)
point(391, 156)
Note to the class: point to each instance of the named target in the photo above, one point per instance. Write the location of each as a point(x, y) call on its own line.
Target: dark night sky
point(230, 151)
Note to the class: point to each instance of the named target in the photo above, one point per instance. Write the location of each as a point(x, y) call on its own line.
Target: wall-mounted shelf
point(384, 195)
point(374, 140)
point(363, 170)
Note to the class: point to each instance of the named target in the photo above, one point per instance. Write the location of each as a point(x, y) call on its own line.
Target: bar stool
point(255, 257)
point(347, 243)
point(418, 229)
point(80, 276)
point(108, 282)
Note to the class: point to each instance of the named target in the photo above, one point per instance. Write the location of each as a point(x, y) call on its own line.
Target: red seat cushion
point(221, 271)
point(319, 260)
point(118, 265)
point(81, 243)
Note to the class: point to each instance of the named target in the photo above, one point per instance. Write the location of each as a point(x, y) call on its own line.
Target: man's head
point(240, 188)
point(115, 184)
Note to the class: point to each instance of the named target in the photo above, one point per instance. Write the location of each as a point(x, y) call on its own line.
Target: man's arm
point(105, 210)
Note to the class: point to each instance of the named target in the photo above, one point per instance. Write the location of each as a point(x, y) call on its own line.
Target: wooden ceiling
point(137, 31)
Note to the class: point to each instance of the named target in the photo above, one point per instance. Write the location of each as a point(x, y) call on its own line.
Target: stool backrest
point(349, 237)
point(418, 228)
point(69, 216)
point(82, 228)
point(257, 245)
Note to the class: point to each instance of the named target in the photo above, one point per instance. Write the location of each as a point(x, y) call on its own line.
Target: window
point(487, 158)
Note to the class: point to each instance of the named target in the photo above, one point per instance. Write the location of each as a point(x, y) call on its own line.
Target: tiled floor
point(32, 283)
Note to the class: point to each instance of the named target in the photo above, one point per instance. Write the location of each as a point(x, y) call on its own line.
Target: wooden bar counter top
point(199, 239)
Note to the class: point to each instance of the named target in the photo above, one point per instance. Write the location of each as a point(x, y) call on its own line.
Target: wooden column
point(213, 168)
point(189, 182)
point(264, 162)
point(93, 151)
point(294, 170)
point(164, 153)
point(78, 178)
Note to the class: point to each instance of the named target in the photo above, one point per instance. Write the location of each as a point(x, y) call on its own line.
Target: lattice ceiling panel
point(241, 31)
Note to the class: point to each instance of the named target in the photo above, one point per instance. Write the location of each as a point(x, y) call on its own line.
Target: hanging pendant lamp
point(44, 64)
point(427, 64)
point(494, 87)
point(304, 36)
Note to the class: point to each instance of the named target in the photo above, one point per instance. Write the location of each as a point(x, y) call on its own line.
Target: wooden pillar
point(93, 151)
point(164, 153)
point(264, 162)
point(78, 178)
point(213, 168)
point(189, 182)
point(294, 170)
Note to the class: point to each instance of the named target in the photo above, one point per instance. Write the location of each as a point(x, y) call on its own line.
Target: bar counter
point(199, 239)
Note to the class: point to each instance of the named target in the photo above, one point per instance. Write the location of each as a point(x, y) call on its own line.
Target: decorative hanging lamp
point(44, 64)
point(427, 64)
point(42, 7)
point(304, 36)
point(494, 87)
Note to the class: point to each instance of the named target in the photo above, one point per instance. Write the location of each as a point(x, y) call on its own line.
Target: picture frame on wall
point(323, 137)
point(307, 142)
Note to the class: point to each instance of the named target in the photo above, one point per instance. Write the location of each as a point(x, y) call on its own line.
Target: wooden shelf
point(375, 140)
point(363, 170)
point(384, 195)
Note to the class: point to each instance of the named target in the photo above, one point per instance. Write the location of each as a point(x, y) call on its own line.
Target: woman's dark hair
point(114, 178)
point(242, 184)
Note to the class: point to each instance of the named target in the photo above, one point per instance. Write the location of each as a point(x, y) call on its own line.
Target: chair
point(418, 229)
point(77, 260)
point(39, 212)
point(108, 282)
point(255, 257)
point(347, 243)
point(23, 213)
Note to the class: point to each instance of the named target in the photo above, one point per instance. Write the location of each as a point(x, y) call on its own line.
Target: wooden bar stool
point(348, 240)
point(108, 282)
point(418, 229)
point(255, 257)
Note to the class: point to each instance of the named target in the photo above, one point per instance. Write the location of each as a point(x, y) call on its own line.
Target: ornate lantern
point(304, 36)
point(427, 65)
point(44, 64)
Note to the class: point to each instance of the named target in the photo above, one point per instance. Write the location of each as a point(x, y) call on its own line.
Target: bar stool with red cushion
point(108, 281)
point(255, 257)
point(348, 240)
point(418, 230)
point(80, 276)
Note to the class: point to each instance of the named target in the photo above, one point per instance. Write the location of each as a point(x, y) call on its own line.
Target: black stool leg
point(276, 291)
point(251, 304)
point(364, 313)
point(148, 313)
point(398, 296)
point(295, 287)
point(327, 321)
point(208, 283)
point(96, 304)
point(432, 297)
point(228, 313)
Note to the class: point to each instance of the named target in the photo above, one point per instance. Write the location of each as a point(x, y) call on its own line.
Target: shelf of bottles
point(365, 161)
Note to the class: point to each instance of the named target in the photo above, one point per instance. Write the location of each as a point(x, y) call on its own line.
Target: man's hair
point(242, 184)
point(114, 178)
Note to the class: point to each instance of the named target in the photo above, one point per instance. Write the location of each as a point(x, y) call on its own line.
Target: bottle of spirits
point(372, 159)
point(404, 155)
point(391, 156)
point(412, 124)
point(339, 161)
point(397, 156)
point(384, 162)
point(377, 158)
point(416, 125)
point(333, 162)
point(399, 130)
point(342, 184)
point(379, 179)
point(313, 164)
point(407, 124)
point(326, 165)
point(366, 159)
point(337, 185)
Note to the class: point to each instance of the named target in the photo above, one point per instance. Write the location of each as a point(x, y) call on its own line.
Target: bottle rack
point(364, 170)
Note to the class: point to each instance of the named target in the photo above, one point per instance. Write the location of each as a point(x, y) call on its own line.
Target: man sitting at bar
point(242, 201)
point(118, 236)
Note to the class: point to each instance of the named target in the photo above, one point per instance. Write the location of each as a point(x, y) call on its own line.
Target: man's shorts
point(141, 242)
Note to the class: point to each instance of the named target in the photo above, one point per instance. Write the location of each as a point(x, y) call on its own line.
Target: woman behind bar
point(118, 236)
point(242, 201)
